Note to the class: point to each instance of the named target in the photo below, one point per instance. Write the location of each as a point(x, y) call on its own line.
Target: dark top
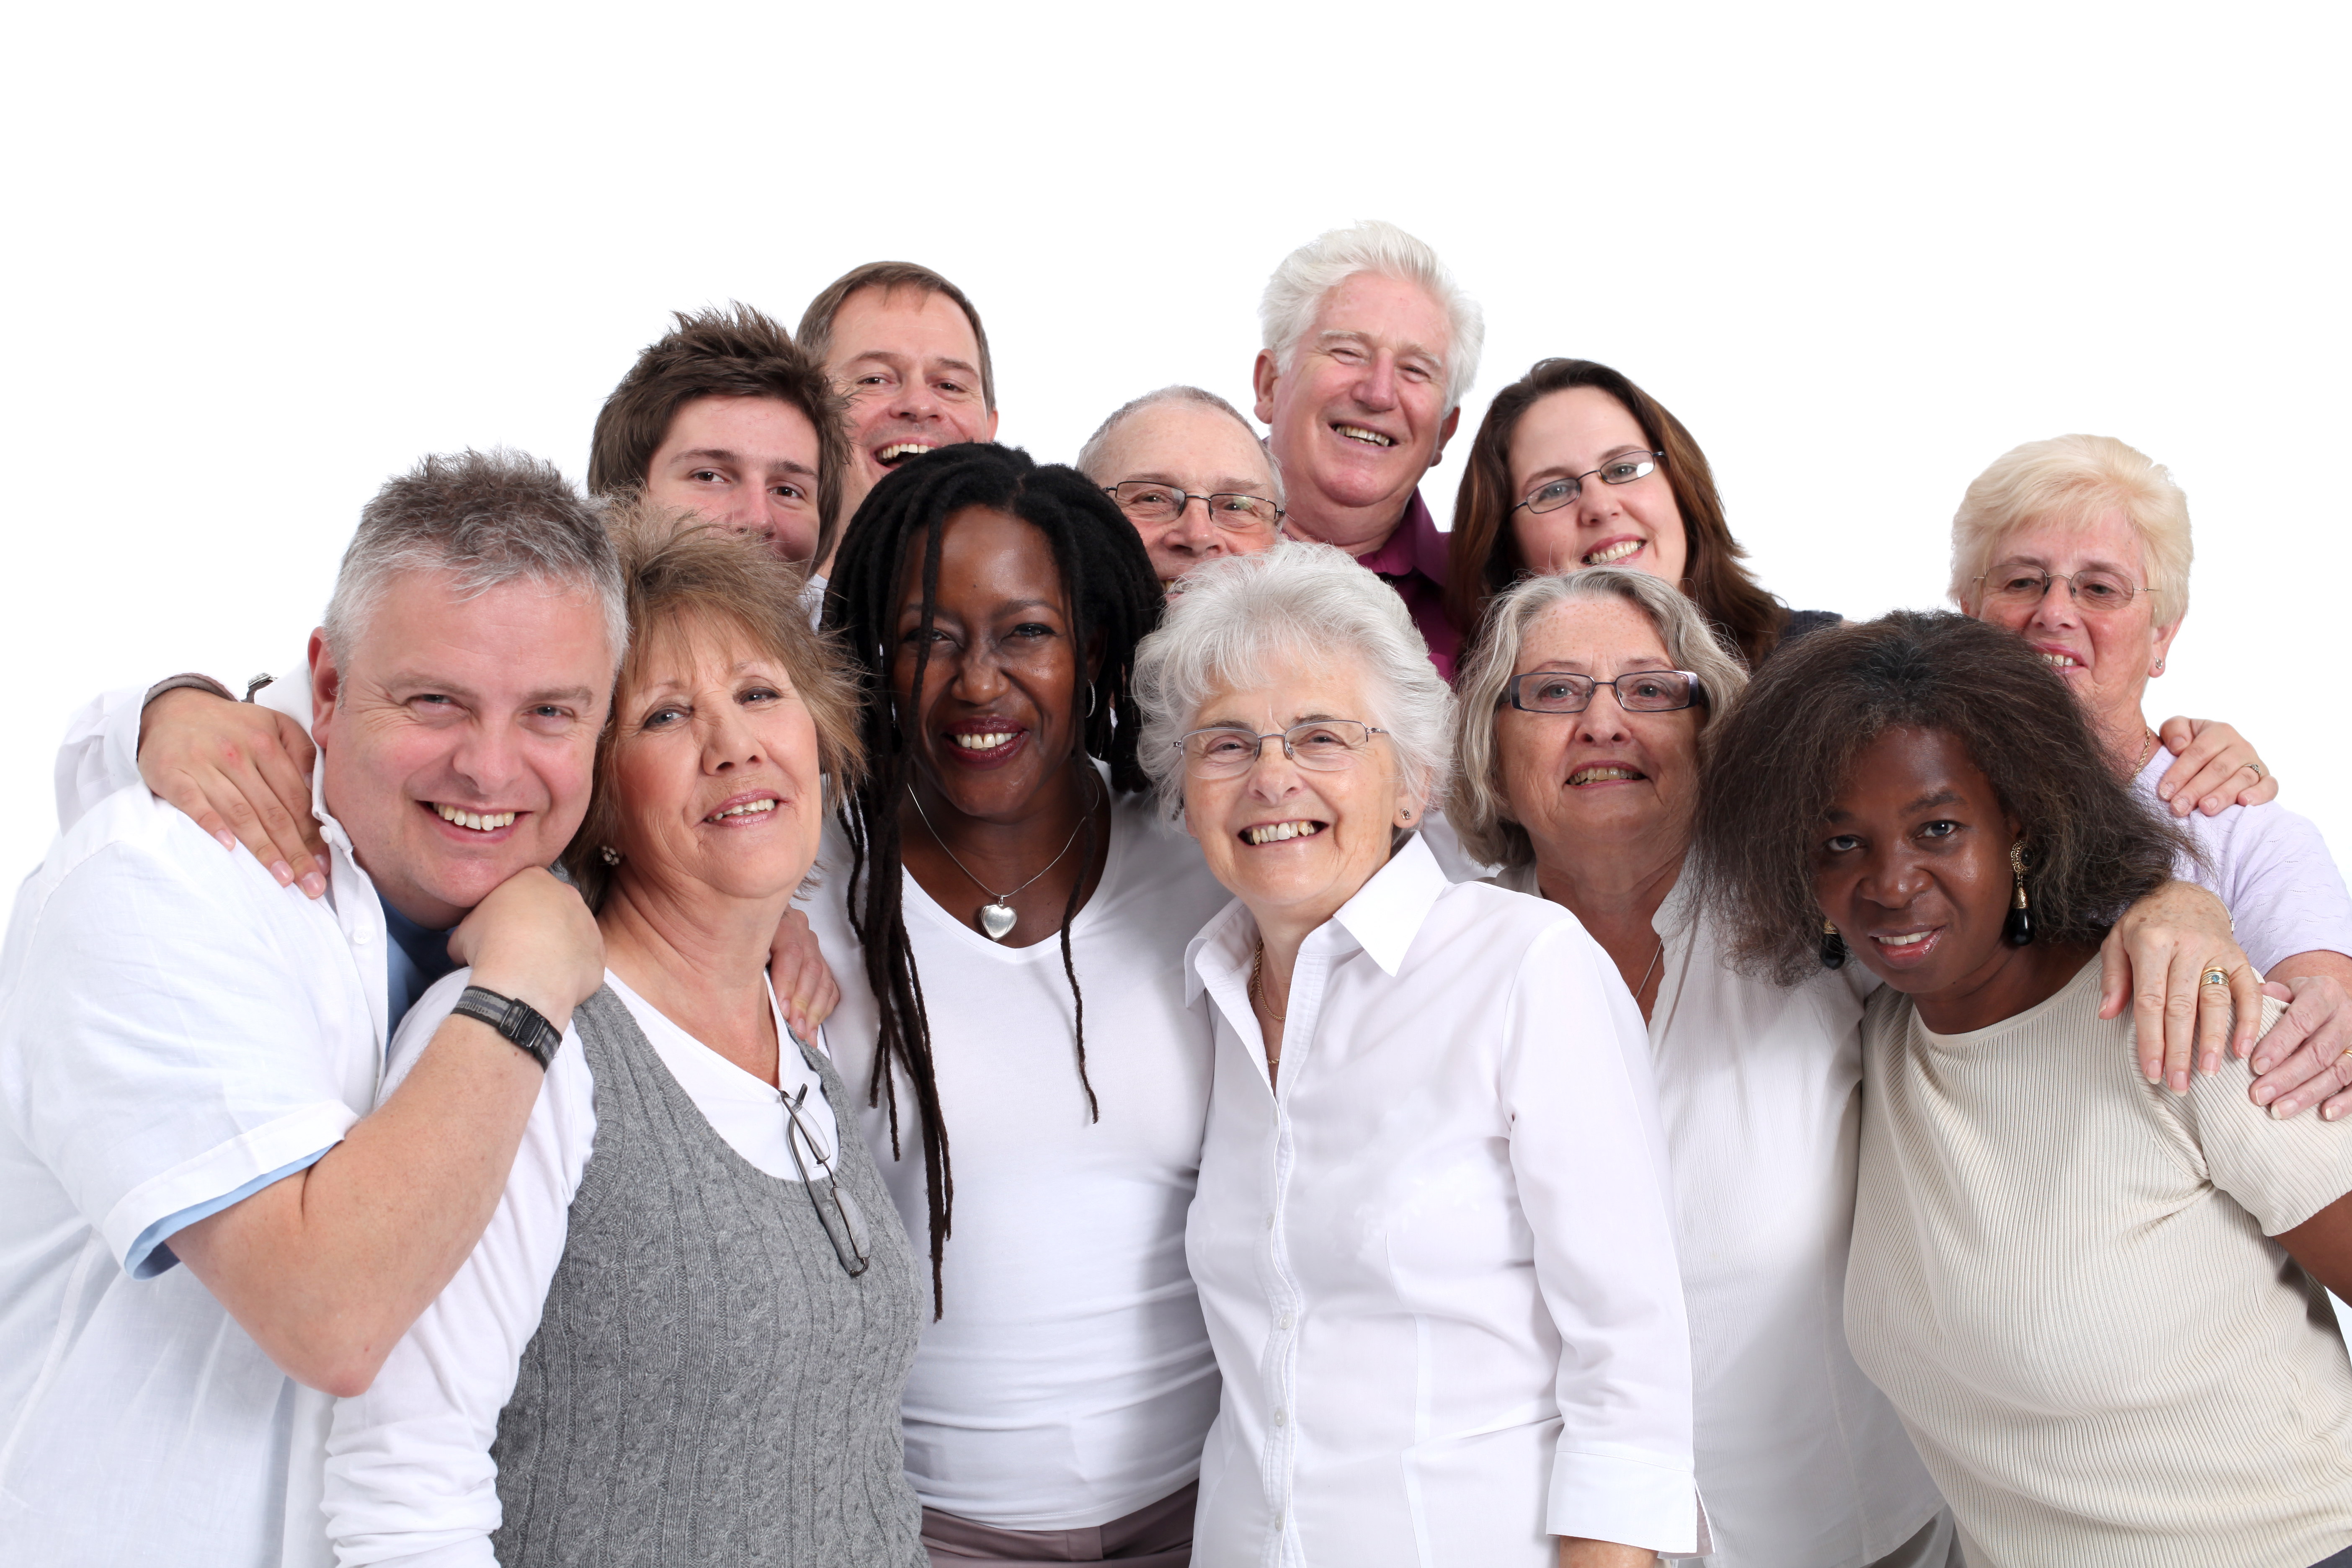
point(709, 1384)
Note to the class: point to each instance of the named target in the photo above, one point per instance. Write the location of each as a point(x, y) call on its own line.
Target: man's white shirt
point(176, 1031)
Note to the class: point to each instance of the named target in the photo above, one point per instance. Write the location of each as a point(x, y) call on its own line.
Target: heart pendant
point(996, 920)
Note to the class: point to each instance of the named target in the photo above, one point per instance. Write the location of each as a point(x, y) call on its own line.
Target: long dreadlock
point(1113, 594)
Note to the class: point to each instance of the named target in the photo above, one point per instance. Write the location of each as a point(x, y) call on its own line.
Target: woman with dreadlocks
point(1030, 1080)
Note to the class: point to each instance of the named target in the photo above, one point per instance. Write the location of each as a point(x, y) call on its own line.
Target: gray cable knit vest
point(708, 1383)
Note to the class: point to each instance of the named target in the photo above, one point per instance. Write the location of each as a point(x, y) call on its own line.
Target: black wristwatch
point(517, 1021)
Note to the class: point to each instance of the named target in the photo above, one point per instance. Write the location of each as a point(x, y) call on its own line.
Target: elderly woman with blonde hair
point(2081, 545)
point(1430, 1236)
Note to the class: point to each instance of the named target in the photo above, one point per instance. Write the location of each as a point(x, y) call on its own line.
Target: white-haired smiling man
point(204, 1206)
point(1370, 345)
point(1190, 474)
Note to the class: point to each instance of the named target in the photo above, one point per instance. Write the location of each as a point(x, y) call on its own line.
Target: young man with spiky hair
point(723, 415)
point(907, 350)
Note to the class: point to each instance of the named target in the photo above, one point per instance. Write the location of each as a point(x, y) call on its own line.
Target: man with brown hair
point(723, 415)
point(907, 350)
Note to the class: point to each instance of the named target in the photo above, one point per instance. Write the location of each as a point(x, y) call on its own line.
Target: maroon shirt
point(1412, 562)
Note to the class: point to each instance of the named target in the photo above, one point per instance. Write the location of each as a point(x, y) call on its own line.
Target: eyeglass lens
point(1619, 470)
point(1643, 692)
point(1322, 745)
point(2013, 583)
point(836, 1212)
point(1158, 504)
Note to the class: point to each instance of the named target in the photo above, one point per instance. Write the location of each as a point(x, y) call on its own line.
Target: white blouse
point(1070, 1382)
point(1803, 1461)
point(409, 1475)
point(1438, 1265)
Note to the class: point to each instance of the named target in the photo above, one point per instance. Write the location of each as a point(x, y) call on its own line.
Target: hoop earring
point(2018, 929)
point(1832, 946)
point(1090, 699)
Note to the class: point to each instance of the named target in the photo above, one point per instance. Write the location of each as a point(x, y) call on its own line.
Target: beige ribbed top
point(2061, 1278)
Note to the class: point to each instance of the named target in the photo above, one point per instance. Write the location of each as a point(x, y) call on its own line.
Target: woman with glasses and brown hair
point(683, 1335)
point(1431, 1238)
point(1574, 467)
point(2081, 545)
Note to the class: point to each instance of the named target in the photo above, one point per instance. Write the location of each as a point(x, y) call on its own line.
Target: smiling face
point(1566, 435)
point(1360, 412)
point(1202, 451)
point(1292, 844)
point(747, 463)
point(714, 769)
point(1912, 866)
point(2106, 658)
point(458, 741)
point(909, 362)
point(1604, 778)
point(1000, 714)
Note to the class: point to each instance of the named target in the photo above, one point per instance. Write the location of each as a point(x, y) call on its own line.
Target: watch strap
point(515, 1020)
point(190, 681)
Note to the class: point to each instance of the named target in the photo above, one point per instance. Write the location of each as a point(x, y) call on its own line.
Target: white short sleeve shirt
point(176, 1031)
point(2270, 869)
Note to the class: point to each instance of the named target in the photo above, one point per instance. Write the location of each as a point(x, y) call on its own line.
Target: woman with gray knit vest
point(684, 1337)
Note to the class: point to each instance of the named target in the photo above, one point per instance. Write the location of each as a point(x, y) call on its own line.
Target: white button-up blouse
point(1438, 1264)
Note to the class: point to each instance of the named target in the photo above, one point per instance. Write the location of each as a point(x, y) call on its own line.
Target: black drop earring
point(1833, 947)
point(2018, 929)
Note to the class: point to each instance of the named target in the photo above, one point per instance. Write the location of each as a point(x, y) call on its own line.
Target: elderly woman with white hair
point(1432, 1235)
point(2081, 545)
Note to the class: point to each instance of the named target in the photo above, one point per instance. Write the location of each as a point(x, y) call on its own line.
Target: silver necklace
point(996, 919)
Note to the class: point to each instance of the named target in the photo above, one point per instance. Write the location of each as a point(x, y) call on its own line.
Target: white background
point(259, 261)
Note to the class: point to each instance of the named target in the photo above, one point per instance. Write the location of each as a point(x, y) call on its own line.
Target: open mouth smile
point(1280, 832)
point(984, 742)
point(1905, 949)
point(1368, 437)
point(897, 452)
point(474, 821)
point(1615, 551)
point(1604, 772)
point(744, 810)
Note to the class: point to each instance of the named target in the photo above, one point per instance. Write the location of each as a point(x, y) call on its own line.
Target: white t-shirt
point(409, 1476)
point(2270, 868)
point(1070, 1382)
point(176, 1032)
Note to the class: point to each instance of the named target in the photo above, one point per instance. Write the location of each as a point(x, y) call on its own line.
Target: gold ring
point(2215, 977)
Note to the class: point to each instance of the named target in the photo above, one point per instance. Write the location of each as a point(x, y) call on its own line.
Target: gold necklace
point(2145, 753)
point(1257, 987)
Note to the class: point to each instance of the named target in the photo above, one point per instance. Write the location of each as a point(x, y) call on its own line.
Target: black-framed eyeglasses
point(2015, 584)
point(844, 1221)
point(1320, 745)
point(1640, 691)
point(1622, 470)
point(1158, 505)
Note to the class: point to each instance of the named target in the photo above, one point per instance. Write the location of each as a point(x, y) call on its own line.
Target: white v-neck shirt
point(1070, 1382)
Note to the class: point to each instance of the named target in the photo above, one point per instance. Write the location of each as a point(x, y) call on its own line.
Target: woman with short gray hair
point(1431, 1236)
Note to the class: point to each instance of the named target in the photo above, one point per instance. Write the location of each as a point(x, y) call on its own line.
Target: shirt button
point(1283, 1322)
point(1269, 1222)
point(1280, 1418)
point(359, 935)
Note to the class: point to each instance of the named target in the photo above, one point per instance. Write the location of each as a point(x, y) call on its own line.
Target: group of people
point(851, 997)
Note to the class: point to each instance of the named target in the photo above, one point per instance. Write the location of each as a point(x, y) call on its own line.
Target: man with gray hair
point(1167, 450)
point(211, 1227)
point(1370, 345)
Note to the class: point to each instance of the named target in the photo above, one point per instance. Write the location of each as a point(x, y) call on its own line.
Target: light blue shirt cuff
point(150, 1256)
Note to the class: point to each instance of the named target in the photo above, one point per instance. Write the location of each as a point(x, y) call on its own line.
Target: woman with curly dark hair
point(2094, 1303)
point(1032, 1086)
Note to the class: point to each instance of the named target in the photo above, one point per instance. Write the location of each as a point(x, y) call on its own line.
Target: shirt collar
point(1416, 546)
point(1387, 912)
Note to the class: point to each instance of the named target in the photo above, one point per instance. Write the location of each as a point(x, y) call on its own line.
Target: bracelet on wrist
point(517, 1021)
